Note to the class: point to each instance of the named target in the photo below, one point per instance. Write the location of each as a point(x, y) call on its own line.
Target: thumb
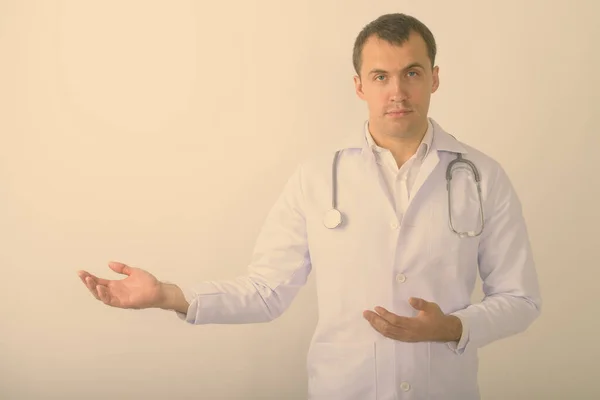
point(419, 304)
point(119, 267)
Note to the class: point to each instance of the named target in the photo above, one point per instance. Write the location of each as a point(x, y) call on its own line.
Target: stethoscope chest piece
point(333, 218)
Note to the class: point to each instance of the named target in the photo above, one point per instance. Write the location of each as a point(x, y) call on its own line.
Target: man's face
point(397, 83)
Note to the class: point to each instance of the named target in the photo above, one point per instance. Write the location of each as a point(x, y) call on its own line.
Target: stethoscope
point(333, 217)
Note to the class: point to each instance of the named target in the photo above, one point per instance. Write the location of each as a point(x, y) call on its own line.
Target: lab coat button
point(401, 278)
point(394, 225)
point(405, 386)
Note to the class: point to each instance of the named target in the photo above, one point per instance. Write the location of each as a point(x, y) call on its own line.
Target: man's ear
point(358, 87)
point(435, 79)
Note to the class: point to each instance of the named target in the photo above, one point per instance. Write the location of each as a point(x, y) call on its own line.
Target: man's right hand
point(139, 290)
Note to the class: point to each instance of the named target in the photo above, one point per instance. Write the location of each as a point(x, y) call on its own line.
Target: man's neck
point(402, 148)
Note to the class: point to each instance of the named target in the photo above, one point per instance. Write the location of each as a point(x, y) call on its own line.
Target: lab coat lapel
point(374, 181)
point(442, 142)
point(430, 162)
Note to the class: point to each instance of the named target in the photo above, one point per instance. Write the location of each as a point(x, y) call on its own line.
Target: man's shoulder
point(494, 177)
point(449, 141)
point(477, 154)
point(321, 161)
point(484, 161)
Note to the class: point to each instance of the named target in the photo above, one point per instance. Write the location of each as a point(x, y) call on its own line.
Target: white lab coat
point(375, 259)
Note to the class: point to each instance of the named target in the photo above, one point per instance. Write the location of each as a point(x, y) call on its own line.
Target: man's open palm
point(138, 290)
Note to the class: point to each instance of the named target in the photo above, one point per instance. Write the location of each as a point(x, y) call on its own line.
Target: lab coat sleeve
point(512, 299)
point(279, 267)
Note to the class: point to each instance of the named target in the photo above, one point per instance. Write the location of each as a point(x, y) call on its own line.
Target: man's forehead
point(382, 54)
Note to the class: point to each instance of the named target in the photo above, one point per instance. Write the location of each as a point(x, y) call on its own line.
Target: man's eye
point(413, 72)
point(379, 76)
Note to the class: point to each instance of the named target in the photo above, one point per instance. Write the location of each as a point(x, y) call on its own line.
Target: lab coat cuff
point(189, 296)
point(460, 346)
point(190, 315)
point(207, 295)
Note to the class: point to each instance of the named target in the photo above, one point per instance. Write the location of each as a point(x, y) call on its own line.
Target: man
point(394, 275)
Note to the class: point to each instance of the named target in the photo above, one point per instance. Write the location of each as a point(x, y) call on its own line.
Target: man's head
point(394, 60)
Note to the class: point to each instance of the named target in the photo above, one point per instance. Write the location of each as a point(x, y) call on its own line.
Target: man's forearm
point(172, 298)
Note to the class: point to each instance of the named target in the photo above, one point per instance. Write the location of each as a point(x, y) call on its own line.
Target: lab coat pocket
point(342, 371)
point(452, 375)
point(455, 211)
point(443, 244)
point(446, 248)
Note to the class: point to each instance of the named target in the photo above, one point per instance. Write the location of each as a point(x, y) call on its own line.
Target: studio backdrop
point(159, 134)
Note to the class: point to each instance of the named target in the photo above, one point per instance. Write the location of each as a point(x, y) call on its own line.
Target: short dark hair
point(393, 28)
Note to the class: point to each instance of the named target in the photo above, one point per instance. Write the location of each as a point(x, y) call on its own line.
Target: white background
point(160, 133)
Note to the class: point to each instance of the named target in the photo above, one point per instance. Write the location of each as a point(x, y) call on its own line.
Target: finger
point(419, 304)
point(378, 322)
point(105, 297)
point(96, 279)
point(404, 322)
point(120, 268)
point(386, 328)
point(385, 314)
point(91, 281)
point(103, 294)
point(91, 285)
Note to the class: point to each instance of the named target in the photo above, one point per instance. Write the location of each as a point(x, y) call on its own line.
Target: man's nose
point(398, 90)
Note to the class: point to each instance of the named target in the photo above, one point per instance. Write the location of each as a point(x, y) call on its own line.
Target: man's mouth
point(399, 112)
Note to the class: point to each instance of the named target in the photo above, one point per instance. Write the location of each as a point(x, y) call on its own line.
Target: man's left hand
point(430, 325)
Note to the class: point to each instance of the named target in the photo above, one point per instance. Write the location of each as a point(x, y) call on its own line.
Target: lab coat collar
point(422, 150)
point(440, 140)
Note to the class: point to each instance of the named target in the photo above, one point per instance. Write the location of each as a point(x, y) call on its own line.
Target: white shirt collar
point(422, 150)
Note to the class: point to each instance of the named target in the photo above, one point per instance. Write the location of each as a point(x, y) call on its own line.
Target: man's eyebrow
point(413, 65)
point(409, 66)
point(377, 71)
